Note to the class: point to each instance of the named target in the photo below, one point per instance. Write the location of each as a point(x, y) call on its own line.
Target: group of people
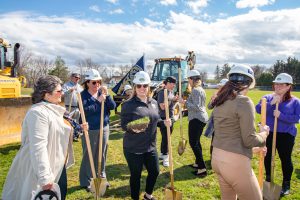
point(46, 150)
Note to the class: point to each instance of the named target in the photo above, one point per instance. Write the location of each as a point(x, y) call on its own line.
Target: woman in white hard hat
point(235, 137)
point(139, 145)
point(93, 95)
point(198, 118)
point(288, 116)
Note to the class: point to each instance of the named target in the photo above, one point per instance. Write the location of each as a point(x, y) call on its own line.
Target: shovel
point(100, 184)
point(170, 192)
point(88, 143)
point(271, 191)
point(261, 154)
point(182, 142)
point(70, 103)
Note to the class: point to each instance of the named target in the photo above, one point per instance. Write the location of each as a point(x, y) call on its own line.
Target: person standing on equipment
point(288, 115)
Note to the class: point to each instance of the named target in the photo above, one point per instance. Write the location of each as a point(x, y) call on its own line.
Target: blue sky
point(119, 31)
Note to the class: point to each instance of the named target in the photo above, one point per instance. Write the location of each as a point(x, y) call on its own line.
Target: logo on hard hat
point(250, 71)
point(141, 79)
point(278, 79)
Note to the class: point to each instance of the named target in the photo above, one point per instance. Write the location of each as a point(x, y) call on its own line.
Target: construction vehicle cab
point(10, 82)
point(13, 106)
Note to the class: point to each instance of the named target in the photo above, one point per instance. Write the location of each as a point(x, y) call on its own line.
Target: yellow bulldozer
point(13, 105)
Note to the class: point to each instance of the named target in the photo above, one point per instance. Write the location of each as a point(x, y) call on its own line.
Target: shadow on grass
point(116, 135)
point(74, 189)
point(119, 192)
point(297, 171)
point(7, 148)
point(117, 171)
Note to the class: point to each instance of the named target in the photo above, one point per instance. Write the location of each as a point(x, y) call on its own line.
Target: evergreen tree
point(217, 73)
point(60, 69)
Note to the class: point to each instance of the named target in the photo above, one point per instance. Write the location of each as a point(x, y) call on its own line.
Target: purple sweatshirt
point(289, 114)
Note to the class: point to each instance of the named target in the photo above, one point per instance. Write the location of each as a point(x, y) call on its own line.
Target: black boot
point(285, 188)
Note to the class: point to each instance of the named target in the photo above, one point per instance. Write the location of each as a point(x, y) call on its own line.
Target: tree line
point(32, 67)
point(264, 76)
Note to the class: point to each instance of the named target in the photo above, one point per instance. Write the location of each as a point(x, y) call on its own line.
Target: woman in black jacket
point(139, 144)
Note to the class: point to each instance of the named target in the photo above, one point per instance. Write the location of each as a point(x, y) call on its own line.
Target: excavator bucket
point(12, 113)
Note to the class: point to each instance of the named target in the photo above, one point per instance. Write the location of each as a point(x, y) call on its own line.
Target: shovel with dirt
point(271, 191)
point(100, 184)
point(170, 192)
point(182, 142)
point(88, 144)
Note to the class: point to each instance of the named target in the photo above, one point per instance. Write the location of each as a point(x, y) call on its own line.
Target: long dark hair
point(45, 84)
point(228, 92)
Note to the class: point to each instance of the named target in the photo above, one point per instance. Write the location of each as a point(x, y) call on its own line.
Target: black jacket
point(134, 109)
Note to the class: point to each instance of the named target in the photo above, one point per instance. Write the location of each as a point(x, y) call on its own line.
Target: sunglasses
point(95, 82)
point(144, 86)
point(76, 77)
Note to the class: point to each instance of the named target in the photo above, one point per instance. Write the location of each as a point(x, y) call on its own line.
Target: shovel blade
point(173, 194)
point(181, 146)
point(271, 191)
point(99, 186)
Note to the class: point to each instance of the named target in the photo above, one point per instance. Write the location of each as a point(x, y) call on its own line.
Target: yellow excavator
point(13, 105)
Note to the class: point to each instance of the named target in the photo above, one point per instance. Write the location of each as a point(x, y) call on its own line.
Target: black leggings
point(135, 164)
point(164, 138)
point(284, 145)
point(195, 131)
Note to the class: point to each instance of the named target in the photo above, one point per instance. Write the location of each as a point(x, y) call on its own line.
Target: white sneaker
point(166, 161)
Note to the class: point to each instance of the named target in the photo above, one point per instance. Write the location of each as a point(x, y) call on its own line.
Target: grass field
point(187, 183)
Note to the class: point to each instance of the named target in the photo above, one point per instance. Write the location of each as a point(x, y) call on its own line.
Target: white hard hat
point(223, 82)
point(54, 193)
point(141, 77)
point(193, 73)
point(283, 78)
point(238, 73)
point(127, 87)
point(92, 75)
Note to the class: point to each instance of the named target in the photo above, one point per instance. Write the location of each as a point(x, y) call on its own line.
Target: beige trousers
point(236, 177)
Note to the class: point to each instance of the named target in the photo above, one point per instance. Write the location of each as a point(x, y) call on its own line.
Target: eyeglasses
point(95, 82)
point(144, 86)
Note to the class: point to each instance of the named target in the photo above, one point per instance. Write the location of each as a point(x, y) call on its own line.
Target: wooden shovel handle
point(261, 154)
point(169, 137)
point(180, 106)
point(86, 135)
point(100, 138)
point(274, 146)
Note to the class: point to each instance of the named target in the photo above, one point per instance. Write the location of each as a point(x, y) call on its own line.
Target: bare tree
point(37, 67)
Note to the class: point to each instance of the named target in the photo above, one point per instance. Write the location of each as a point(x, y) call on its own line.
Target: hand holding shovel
point(271, 191)
point(87, 139)
point(100, 184)
point(170, 193)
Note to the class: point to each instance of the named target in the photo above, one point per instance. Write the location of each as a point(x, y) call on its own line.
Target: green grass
point(188, 184)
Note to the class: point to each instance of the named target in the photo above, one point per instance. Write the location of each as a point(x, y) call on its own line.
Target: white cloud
point(168, 2)
point(95, 8)
point(253, 3)
point(112, 1)
point(196, 5)
point(116, 11)
point(257, 37)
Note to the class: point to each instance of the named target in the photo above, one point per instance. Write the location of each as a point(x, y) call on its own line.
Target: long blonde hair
point(196, 83)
